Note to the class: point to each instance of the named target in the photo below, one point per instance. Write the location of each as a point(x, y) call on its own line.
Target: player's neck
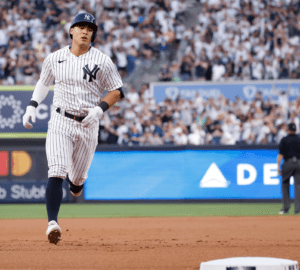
point(78, 50)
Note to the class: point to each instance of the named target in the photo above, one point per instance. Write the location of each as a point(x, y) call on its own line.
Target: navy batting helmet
point(88, 19)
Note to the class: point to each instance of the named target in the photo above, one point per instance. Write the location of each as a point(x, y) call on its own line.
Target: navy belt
point(74, 117)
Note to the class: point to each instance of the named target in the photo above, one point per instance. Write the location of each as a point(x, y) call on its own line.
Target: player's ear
point(72, 30)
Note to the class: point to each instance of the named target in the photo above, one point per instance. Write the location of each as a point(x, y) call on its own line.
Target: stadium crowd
point(139, 120)
point(231, 40)
point(128, 30)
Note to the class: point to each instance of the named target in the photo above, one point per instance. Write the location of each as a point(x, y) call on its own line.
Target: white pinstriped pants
point(70, 148)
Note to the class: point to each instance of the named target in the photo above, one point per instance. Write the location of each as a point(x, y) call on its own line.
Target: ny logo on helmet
point(92, 73)
point(87, 17)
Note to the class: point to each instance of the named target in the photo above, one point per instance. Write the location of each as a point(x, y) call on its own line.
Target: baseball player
point(81, 73)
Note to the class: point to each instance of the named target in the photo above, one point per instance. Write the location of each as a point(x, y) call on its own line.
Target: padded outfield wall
point(148, 173)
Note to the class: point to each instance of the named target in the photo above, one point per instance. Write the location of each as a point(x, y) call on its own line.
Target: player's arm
point(279, 159)
point(113, 97)
point(95, 113)
point(280, 156)
point(40, 92)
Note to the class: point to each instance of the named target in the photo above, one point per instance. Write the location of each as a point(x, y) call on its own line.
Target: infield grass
point(106, 210)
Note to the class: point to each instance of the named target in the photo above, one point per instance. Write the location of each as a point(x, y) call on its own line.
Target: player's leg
point(59, 150)
point(286, 172)
point(83, 154)
point(75, 190)
point(297, 188)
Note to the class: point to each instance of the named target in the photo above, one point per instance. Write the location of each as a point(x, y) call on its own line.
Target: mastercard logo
point(21, 163)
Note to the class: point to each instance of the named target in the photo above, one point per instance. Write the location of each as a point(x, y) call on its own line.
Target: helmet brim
point(91, 25)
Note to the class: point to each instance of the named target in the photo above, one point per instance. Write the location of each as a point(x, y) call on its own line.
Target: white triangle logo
point(213, 178)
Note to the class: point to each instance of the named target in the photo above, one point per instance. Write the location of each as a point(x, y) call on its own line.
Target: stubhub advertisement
point(27, 191)
point(187, 174)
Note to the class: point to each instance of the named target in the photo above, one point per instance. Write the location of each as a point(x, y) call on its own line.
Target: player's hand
point(30, 113)
point(93, 116)
point(278, 171)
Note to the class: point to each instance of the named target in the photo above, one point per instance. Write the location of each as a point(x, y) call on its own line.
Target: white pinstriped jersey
point(79, 80)
point(79, 83)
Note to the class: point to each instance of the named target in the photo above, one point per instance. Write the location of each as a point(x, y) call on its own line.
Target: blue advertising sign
point(231, 90)
point(27, 191)
point(187, 174)
point(12, 107)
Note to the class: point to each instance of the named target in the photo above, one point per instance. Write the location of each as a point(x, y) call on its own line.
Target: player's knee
point(57, 171)
point(78, 181)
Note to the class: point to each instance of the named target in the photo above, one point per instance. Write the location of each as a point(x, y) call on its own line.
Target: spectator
point(147, 139)
point(284, 69)
point(121, 60)
point(175, 71)
point(296, 72)
point(132, 96)
point(180, 138)
point(3, 36)
point(134, 136)
point(132, 55)
point(282, 132)
point(122, 131)
point(125, 141)
point(197, 137)
point(227, 138)
point(145, 93)
point(217, 135)
point(186, 68)
point(166, 116)
point(164, 73)
point(201, 67)
point(218, 71)
point(157, 127)
point(186, 116)
point(111, 129)
point(157, 140)
point(3, 63)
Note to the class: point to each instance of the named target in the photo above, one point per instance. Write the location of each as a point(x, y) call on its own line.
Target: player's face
point(82, 34)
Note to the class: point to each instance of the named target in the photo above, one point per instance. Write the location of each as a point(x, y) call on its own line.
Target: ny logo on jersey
point(92, 73)
point(87, 17)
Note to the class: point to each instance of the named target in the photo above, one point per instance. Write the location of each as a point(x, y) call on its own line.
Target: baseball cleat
point(53, 232)
point(283, 212)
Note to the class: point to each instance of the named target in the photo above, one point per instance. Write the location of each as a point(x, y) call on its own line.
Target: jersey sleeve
point(47, 77)
point(112, 79)
point(281, 147)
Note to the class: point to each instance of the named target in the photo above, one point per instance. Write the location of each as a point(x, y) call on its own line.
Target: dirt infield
point(146, 243)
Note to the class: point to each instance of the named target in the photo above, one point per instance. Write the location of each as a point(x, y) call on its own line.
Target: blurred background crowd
point(170, 40)
point(139, 120)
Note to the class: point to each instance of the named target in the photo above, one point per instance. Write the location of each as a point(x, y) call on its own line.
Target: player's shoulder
point(61, 52)
point(285, 139)
point(100, 55)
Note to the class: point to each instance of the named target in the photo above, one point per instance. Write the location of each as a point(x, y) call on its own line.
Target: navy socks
point(54, 196)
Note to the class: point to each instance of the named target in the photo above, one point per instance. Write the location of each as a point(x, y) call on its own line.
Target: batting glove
point(93, 117)
point(30, 113)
